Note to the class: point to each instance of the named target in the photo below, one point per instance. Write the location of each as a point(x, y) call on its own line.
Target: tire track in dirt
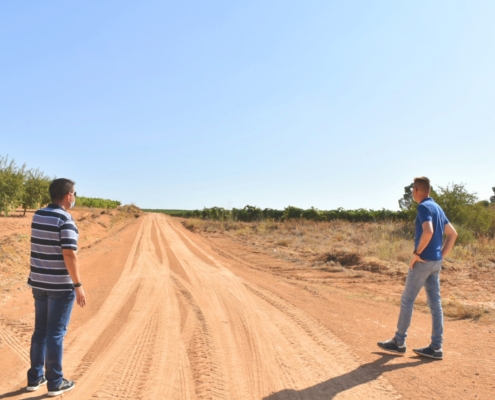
point(84, 337)
point(125, 330)
point(155, 237)
point(131, 370)
point(214, 300)
point(16, 344)
point(174, 264)
point(106, 336)
point(201, 352)
point(142, 350)
point(287, 348)
point(321, 341)
point(178, 324)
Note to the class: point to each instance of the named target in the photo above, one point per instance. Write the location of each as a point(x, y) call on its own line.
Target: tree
point(36, 191)
point(247, 214)
point(292, 212)
point(456, 202)
point(312, 214)
point(11, 184)
point(492, 199)
point(406, 202)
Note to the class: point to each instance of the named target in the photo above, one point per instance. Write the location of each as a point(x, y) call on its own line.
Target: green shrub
point(466, 236)
point(12, 180)
point(312, 214)
point(96, 202)
point(291, 212)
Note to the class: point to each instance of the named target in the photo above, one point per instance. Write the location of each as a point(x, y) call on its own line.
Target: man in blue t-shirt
point(424, 270)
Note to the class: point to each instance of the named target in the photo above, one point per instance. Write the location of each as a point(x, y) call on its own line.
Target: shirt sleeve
point(69, 235)
point(424, 214)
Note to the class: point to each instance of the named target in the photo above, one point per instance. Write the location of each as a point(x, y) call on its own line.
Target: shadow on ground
point(332, 387)
point(28, 395)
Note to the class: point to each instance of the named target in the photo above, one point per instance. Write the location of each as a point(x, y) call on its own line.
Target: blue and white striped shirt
point(52, 230)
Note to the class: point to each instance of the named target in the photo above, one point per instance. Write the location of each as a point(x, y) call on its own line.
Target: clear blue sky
point(196, 104)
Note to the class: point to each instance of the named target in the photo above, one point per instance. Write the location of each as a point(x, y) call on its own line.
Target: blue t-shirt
point(428, 210)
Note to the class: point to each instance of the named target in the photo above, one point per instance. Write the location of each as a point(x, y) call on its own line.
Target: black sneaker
point(65, 386)
point(430, 352)
point(32, 386)
point(392, 346)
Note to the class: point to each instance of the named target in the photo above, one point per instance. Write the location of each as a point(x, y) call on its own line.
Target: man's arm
point(72, 264)
point(423, 242)
point(450, 238)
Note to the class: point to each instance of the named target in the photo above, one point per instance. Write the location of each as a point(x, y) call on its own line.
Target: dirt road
point(171, 319)
point(178, 324)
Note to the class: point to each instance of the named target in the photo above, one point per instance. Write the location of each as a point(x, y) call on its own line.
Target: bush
point(466, 236)
point(292, 213)
point(312, 214)
point(36, 190)
point(247, 214)
point(12, 180)
point(96, 202)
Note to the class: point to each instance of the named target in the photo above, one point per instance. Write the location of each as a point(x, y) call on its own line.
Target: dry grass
point(376, 251)
point(123, 213)
point(454, 308)
point(387, 242)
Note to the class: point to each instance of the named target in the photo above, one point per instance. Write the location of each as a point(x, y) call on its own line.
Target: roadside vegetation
point(28, 189)
point(473, 218)
point(364, 252)
point(20, 187)
point(368, 246)
point(96, 202)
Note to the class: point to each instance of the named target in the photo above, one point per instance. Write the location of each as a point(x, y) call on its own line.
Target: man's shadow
point(363, 374)
point(19, 392)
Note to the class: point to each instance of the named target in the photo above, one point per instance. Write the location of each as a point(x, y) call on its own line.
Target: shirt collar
point(52, 205)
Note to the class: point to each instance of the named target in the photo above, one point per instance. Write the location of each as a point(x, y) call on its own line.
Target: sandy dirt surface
point(173, 315)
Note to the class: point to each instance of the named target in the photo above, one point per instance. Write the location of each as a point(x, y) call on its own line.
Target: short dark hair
point(59, 188)
point(422, 183)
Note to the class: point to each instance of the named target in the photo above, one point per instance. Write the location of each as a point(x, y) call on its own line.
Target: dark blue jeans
point(52, 315)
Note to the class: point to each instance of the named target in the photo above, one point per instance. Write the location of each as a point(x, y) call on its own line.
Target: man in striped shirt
point(56, 283)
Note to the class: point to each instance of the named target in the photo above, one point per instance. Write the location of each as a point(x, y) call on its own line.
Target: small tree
point(249, 214)
point(292, 212)
point(35, 190)
point(11, 184)
point(456, 202)
point(406, 202)
point(312, 214)
point(492, 199)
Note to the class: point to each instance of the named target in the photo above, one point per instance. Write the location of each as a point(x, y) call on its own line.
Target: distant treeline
point(28, 188)
point(252, 213)
point(96, 202)
point(175, 213)
point(471, 216)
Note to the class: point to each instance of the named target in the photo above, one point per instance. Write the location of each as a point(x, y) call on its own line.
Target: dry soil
point(175, 315)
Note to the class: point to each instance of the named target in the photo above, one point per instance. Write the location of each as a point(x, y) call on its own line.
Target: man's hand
point(414, 260)
point(80, 296)
point(423, 242)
